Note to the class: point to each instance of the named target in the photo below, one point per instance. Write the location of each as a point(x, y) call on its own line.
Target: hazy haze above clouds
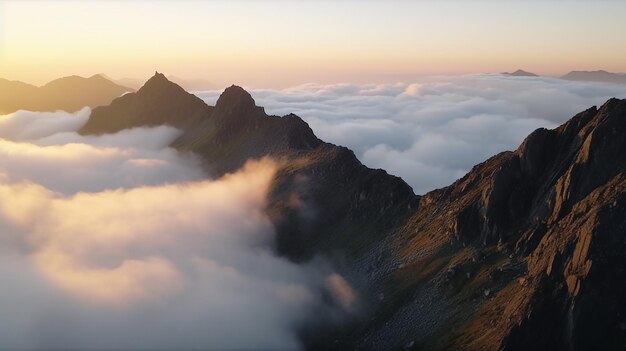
point(432, 132)
point(117, 241)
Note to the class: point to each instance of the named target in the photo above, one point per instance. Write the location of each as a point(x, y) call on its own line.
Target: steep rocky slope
point(524, 252)
point(68, 93)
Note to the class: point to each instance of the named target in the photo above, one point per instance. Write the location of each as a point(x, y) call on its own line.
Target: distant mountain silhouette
point(520, 73)
point(596, 76)
point(68, 93)
point(158, 102)
point(525, 252)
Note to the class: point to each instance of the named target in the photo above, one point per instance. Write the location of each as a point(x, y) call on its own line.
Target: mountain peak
point(235, 98)
point(156, 80)
point(158, 102)
point(520, 73)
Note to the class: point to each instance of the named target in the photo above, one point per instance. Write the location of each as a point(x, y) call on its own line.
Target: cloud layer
point(117, 241)
point(432, 132)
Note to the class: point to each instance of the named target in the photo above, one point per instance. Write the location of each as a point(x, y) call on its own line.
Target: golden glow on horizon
point(280, 43)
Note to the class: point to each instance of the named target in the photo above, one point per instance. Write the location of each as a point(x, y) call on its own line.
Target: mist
point(433, 131)
point(118, 241)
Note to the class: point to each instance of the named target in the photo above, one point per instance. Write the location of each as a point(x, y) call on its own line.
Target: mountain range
point(525, 252)
point(69, 93)
point(596, 76)
point(580, 76)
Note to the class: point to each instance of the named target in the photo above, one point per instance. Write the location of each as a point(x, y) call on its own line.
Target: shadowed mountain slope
point(68, 93)
point(525, 252)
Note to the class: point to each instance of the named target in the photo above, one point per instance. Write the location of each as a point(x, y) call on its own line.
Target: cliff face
point(524, 252)
point(68, 93)
point(527, 250)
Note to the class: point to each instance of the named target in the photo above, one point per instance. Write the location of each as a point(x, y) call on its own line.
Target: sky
point(276, 44)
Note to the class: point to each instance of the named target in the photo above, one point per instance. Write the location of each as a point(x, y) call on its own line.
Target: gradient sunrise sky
point(282, 43)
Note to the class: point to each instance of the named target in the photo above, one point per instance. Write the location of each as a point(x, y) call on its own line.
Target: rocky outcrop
point(238, 130)
point(528, 249)
point(69, 94)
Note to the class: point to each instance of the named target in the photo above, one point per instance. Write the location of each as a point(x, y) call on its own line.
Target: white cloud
point(44, 148)
point(433, 131)
point(27, 125)
point(117, 241)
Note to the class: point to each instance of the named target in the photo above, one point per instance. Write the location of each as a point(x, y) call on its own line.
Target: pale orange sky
point(281, 43)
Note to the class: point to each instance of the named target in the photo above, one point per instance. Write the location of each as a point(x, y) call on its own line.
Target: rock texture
point(69, 94)
point(525, 252)
point(528, 250)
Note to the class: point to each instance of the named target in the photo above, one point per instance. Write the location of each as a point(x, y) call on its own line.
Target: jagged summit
point(234, 100)
point(157, 77)
point(158, 102)
point(235, 94)
point(226, 135)
point(159, 83)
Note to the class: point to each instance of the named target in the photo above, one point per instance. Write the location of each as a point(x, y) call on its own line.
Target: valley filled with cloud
point(117, 241)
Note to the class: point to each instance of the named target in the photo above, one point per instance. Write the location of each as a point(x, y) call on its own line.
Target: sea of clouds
point(432, 132)
point(117, 241)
